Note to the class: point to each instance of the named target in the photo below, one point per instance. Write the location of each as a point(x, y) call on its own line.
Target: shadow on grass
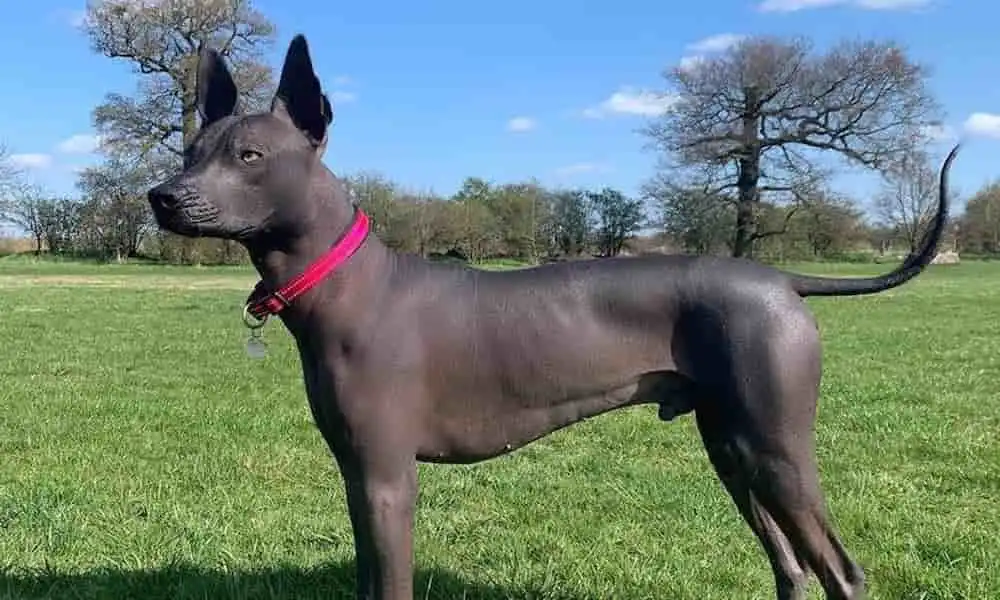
point(181, 582)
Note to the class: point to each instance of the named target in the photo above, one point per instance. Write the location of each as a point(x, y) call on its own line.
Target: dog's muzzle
point(163, 199)
point(177, 208)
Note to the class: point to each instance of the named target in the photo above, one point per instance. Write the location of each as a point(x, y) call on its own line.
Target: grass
point(144, 456)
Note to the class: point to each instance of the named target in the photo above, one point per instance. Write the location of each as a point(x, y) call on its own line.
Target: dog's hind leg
point(791, 578)
point(777, 491)
point(760, 375)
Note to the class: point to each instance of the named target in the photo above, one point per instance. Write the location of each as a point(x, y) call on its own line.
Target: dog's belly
point(494, 426)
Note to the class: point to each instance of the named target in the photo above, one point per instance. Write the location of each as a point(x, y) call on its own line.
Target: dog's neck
point(344, 291)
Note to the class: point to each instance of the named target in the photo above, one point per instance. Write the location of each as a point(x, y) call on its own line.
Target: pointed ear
point(216, 89)
point(327, 110)
point(299, 97)
point(327, 118)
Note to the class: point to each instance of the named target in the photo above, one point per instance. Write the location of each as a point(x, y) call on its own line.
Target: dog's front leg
point(382, 502)
point(364, 550)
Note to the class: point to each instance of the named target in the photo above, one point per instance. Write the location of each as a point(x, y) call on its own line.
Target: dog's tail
point(807, 285)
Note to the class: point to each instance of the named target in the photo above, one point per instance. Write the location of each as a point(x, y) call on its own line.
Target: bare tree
point(756, 119)
point(22, 207)
point(115, 212)
point(909, 197)
point(10, 177)
point(10, 174)
point(51, 222)
point(161, 39)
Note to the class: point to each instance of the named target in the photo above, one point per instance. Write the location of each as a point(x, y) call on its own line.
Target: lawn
point(145, 456)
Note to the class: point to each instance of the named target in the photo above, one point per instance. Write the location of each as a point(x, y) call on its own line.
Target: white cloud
point(712, 44)
point(939, 133)
point(31, 160)
point(891, 4)
point(627, 101)
point(521, 124)
point(80, 144)
point(688, 63)
point(342, 97)
point(796, 5)
point(983, 125)
point(715, 43)
point(76, 18)
point(583, 167)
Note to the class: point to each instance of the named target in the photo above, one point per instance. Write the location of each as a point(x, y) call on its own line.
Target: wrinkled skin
point(406, 360)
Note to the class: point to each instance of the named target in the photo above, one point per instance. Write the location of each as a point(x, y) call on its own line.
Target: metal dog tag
point(256, 348)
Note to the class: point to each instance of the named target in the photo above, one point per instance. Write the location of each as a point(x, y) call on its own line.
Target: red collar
point(344, 248)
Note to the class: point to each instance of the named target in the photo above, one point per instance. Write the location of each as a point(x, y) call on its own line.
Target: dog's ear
point(299, 97)
point(328, 118)
point(216, 89)
point(327, 110)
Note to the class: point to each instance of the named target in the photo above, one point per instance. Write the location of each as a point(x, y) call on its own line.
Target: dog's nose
point(162, 196)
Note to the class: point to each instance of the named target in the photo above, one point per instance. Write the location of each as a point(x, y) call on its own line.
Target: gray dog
point(405, 360)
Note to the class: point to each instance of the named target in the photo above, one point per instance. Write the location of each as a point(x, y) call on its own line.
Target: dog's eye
point(249, 156)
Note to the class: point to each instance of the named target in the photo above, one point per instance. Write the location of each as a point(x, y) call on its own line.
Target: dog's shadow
point(180, 582)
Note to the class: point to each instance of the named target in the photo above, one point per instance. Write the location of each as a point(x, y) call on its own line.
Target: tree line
point(748, 145)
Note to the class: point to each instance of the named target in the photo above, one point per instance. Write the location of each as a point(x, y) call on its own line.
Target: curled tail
point(806, 285)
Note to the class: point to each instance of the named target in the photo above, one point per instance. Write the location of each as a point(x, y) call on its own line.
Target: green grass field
point(143, 455)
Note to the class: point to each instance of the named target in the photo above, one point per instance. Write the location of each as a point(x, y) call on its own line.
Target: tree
point(980, 224)
point(755, 119)
point(909, 197)
point(570, 222)
point(11, 188)
point(116, 214)
point(830, 225)
point(695, 217)
point(161, 40)
point(820, 225)
point(22, 207)
point(480, 234)
point(516, 207)
point(59, 222)
point(375, 194)
point(422, 224)
point(618, 217)
point(52, 223)
point(10, 175)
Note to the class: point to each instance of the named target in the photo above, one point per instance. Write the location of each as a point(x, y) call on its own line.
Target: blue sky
point(430, 92)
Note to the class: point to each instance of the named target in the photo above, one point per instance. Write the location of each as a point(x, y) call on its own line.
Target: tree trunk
point(749, 175)
point(189, 130)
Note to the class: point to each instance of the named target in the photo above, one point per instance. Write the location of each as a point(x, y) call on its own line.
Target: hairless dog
point(407, 360)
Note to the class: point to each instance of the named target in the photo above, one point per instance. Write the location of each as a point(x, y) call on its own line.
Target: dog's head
point(248, 175)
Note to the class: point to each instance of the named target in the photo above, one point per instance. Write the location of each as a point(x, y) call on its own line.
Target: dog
point(406, 360)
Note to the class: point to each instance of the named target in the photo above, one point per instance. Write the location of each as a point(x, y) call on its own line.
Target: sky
point(431, 92)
